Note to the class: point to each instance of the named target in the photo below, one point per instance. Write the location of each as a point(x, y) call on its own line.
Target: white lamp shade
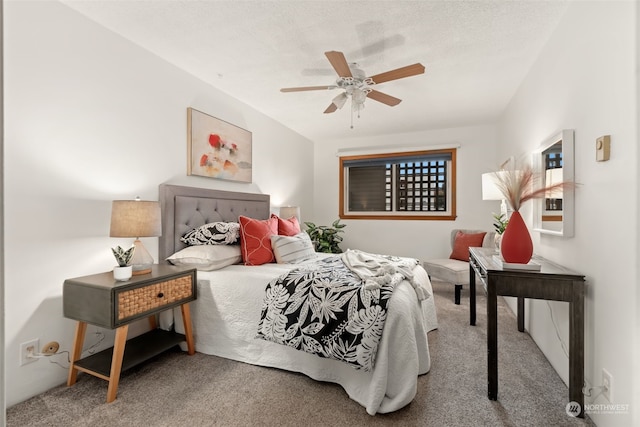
point(553, 177)
point(289, 211)
point(490, 188)
point(135, 218)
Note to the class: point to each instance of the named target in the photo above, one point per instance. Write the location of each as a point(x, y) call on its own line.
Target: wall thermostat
point(603, 148)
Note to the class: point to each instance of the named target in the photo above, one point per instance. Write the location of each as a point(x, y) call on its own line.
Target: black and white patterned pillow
point(214, 233)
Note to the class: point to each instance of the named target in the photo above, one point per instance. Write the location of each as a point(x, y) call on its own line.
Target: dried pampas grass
point(519, 185)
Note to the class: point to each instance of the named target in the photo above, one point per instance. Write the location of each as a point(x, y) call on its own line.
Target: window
point(413, 185)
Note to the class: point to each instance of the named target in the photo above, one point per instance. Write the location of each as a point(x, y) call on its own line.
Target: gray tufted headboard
point(184, 208)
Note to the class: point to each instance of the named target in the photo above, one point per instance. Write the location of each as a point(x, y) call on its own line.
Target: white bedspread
point(226, 314)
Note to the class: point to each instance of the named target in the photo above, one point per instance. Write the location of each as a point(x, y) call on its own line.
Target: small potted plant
point(500, 222)
point(123, 271)
point(326, 238)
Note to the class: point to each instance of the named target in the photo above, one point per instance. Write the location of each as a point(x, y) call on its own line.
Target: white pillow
point(292, 249)
point(207, 257)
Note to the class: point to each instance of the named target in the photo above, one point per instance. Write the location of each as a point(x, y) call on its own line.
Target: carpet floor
point(174, 389)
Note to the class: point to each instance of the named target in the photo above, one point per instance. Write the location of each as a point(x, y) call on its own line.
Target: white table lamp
point(491, 190)
point(289, 211)
point(136, 218)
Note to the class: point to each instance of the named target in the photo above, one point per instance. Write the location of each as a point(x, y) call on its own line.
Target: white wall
point(91, 117)
point(419, 239)
point(586, 79)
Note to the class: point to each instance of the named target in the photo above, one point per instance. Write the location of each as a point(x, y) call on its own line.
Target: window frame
point(396, 215)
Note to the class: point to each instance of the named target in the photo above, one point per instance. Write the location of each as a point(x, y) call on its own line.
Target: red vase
point(516, 245)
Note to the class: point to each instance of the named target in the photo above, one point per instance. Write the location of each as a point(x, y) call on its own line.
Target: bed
point(226, 314)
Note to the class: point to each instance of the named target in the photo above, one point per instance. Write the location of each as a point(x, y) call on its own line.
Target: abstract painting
point(217, 149)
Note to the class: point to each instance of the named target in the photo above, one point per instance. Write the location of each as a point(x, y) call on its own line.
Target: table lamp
point(136, 218)
point(287, 212)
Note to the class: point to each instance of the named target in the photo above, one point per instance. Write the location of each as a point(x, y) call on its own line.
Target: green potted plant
point(326, 238)
point(500, 222)
point(123, 271)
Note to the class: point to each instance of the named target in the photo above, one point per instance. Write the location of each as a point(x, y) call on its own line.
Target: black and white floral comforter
point(323, 308)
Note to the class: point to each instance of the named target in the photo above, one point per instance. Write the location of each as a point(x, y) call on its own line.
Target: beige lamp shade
point(289, 211)
point(135, 218)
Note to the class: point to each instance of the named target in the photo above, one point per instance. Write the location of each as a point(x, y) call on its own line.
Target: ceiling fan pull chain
point(351, 113)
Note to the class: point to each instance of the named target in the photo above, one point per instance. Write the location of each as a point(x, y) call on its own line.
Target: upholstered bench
point(453, 269)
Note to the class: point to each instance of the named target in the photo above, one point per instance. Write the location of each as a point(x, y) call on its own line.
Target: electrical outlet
point(50, 348)
point(27, 348)
point(607, 384)
point(586, 389)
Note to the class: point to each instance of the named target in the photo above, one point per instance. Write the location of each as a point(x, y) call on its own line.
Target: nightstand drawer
point(137, 301)
point(102, 301)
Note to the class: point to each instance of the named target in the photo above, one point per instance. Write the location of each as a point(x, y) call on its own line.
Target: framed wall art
point(217, 149)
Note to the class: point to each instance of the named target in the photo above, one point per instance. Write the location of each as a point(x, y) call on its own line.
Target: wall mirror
point(554, 163)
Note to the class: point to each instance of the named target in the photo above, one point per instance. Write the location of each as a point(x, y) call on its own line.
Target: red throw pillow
point(462, 243)
point(287, 227)
point(255, 239)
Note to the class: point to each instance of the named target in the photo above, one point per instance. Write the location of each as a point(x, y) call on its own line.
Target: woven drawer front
point(141, 300)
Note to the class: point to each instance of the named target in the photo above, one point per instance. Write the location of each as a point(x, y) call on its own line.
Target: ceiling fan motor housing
point(356, 72)
point(358, 85)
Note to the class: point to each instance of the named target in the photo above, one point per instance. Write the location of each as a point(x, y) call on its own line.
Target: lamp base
point(141, 272)
point(141, 260)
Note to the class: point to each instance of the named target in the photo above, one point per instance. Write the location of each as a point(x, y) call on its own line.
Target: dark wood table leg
point(576, 346)
point(492, 339)
point(520, 314)
point(472, 295)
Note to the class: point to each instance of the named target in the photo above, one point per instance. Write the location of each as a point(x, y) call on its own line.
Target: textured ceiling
point(476, 53)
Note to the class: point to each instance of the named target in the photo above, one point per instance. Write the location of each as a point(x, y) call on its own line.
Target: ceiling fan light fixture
point(359, 96)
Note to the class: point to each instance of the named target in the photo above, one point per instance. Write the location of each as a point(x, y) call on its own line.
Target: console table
point(552, 282)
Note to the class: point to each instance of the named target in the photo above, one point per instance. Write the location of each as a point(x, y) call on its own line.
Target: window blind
point(367, 188)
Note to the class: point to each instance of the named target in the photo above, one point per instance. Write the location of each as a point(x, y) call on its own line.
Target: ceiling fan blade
point(304, 88)
point(398, 73)
point(331, 108)
point(337, 102)
point(339, 63)
point(340, 100)
point(384, 98)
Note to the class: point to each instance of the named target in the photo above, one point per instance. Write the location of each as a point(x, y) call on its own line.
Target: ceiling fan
point(357, 85)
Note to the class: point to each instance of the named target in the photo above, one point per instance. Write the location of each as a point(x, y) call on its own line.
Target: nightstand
point(102, 301)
